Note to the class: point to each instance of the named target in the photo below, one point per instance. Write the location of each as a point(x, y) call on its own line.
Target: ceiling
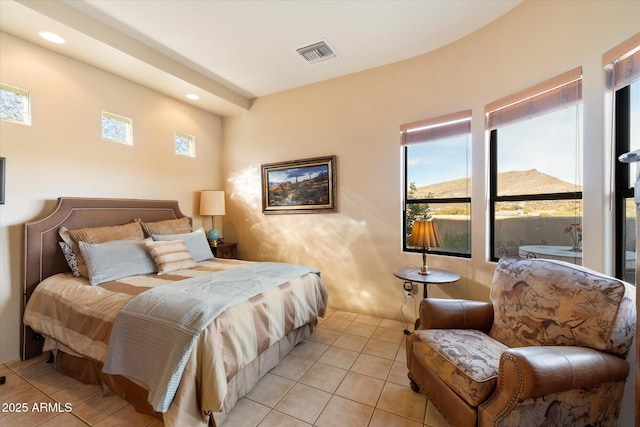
point(229, 52)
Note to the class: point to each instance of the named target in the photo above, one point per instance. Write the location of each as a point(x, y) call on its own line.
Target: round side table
point(435, 276)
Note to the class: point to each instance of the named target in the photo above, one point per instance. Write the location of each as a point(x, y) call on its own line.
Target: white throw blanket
point(153, 334)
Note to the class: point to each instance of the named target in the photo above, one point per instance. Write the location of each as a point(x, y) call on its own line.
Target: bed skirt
point(185, 409)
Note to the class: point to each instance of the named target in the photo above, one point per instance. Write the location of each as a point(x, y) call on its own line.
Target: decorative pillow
point(170, 255)
point(131, 231)
point(116, 259)
point(168, 226)
point(72, 261)
point(195, 241)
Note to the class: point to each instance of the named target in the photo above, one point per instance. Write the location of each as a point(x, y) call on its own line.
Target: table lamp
point(212, 204)
point(424, 235)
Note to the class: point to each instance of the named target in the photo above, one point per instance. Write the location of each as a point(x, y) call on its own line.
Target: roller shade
point(554, 94)
point(625, 61)
point(436, 128)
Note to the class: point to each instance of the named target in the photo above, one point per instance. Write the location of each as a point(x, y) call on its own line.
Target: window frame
point(425, 132)
point(26, 110)
point(126, 121)
point(494, 198)
point(550, 96)
point(623, 190)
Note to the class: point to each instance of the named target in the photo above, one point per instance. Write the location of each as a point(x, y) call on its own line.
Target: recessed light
point(193, 96)
point(52, 37)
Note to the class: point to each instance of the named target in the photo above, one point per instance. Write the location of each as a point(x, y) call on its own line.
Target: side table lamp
point(424, 235)
point(212, 204)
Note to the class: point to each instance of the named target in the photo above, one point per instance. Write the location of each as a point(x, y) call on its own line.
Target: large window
point(437, 183)
point(536, 173)
point(625, 72)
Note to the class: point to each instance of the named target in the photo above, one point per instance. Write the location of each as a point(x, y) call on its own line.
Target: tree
point(416, 210)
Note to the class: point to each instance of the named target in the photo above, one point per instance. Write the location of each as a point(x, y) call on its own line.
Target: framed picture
point(300, 186)
point(3, 163)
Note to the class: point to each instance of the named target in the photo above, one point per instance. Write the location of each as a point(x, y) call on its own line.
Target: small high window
point(15, 105)
point(185, 144)
point(117, 128)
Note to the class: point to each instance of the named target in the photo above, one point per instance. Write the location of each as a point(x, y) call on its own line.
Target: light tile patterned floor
point(351, 372)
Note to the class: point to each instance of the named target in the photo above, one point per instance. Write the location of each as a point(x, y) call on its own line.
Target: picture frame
point(299, 186)
point(3, 163)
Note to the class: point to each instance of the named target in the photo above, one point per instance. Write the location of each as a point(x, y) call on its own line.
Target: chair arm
point(532, 372)
point(528, 372)
point(436, 313)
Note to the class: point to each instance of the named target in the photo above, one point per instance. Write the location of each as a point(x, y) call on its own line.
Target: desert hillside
point(509, 183)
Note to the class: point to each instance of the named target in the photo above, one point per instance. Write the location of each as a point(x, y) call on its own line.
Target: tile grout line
point(49, 396)
point(385, 381)
point(310, 356)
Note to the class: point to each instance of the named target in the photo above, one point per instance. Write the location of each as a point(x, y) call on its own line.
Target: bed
point(114, 330)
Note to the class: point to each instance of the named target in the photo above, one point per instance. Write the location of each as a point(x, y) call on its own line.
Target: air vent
point(317, 52)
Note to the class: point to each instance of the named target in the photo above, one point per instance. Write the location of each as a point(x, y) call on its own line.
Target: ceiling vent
point(316, 52)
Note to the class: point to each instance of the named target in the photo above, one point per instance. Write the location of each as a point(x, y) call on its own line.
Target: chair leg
point(415, 387)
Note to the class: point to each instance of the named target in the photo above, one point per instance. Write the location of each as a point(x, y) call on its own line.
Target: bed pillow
point(72, 260)
point(195, 241)
point(170, 255)
point(130, 231)
point(116, 259)
point(168, 226)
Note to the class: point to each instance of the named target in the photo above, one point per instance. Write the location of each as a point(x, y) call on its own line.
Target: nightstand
point(224, 250)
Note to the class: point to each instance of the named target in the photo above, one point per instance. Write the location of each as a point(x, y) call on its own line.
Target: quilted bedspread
point(153, 334)
point(80, 318)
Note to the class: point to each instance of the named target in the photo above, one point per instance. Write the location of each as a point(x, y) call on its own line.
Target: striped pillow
point(170, 255)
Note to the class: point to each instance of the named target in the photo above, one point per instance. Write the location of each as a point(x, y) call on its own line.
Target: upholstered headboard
point(43, 256)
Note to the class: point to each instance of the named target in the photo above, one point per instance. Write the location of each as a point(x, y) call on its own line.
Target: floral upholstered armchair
point(550, 348)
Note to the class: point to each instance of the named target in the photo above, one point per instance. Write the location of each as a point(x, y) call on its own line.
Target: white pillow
point(195, 241)
point(116, 259)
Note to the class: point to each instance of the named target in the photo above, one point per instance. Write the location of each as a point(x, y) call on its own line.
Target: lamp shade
point(424, 235)
point(212, 202)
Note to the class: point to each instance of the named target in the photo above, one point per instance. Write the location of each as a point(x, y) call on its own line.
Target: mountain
point(511, 182)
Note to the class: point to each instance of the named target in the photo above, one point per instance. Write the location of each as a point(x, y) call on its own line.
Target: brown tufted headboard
point(43, 256)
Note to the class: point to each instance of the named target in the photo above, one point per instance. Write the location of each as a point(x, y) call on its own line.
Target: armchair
point(549, 349)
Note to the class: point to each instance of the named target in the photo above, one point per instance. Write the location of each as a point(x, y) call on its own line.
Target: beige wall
point(357, 118)
point(62, 154)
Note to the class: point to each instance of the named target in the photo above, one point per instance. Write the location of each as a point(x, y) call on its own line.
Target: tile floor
point(350, 372)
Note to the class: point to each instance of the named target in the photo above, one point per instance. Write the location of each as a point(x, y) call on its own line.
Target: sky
point(546, 143)
point(290, 174)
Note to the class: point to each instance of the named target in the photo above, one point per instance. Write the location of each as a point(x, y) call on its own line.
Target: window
point(623, 63)
point(536, 171)
point(437, 184)
point(117, 128)
point(185, 144)
point(15, 105)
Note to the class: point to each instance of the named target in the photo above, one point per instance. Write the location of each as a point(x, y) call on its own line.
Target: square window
point(15, 105)
point(117, 128)
point(185, 144)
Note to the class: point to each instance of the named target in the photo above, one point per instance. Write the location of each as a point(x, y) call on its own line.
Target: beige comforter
point(80, 317)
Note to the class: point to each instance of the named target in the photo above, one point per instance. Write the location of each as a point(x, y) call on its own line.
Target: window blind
point(559, 92)
point(625, 61)
point(436, 128)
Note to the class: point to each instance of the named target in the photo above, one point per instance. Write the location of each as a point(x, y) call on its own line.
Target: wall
point(62, 154)
point(357, 118)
